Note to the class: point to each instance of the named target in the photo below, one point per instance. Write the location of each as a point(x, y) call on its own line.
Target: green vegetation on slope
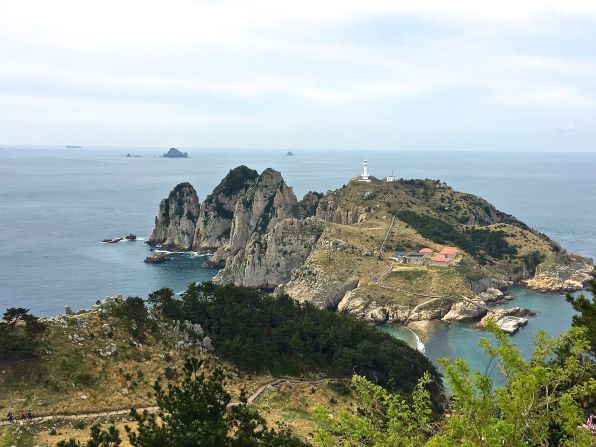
point(20, 334)
point(196, 412)
point(543, 402)
point(586, 318)
point(482, 243)
point(259, 332)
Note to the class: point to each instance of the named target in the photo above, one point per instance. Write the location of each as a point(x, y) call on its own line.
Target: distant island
point(290, 154)
point(175, 153)
point(73, 147)
point(132, 156)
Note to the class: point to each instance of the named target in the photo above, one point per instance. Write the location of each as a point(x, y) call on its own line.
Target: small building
point(415, 258)
point(439, 261)
point(391, 178)
point(399, 256)
point(449, 252)
point(364, 177)
point(427, 252)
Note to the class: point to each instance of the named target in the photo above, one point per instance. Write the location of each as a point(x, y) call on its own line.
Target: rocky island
point(175, 153)
point(396, 251)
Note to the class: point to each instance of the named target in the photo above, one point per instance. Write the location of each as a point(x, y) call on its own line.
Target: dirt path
point(382, 248)
point(124, 411)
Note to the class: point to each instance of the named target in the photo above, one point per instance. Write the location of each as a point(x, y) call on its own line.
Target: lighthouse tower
point(364, 177)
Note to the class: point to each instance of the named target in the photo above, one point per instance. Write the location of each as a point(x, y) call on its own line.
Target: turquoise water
point(57, 205)
point(461, 340)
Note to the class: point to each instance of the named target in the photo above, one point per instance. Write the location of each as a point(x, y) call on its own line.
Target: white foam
point(419, 345)
point(163, 251)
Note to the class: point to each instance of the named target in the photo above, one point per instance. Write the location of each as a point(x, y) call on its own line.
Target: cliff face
point(268, 201)
point(330, 210)
point(566, 274)
point(334, 250)
point(268, 260)
point(217, 211)
point(176, 219)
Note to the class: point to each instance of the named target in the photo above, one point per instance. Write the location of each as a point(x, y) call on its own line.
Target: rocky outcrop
point(156, 258)
point(368, 306)
point(465, 310)
point(217, 211)
point(564, 274)
point(176, 219)
point(490, 295)
point(310, 284)
point(509, 320)
point(309, 203)
point(175, 153)
point(264, 204)
point(268, 260)
point(328, 209)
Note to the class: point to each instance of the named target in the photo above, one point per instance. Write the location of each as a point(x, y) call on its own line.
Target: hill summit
point(383, 251)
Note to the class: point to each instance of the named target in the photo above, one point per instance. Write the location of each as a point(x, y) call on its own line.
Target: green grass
point(17, 437)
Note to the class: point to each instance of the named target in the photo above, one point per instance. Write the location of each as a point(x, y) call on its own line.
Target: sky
point(340, 74)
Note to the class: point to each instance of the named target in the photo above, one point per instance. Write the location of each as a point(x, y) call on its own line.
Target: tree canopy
point(539, 404)
point(259, 332)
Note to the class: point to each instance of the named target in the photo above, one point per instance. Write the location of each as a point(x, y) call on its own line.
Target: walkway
point(93, 415)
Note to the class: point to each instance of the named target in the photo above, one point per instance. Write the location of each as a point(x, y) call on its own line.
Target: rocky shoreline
point(324, 249)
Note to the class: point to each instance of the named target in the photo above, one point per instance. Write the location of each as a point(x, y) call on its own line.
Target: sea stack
point(176, 220)
point(175, 153)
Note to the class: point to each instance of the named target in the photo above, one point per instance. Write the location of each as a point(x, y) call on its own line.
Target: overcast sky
point(340, 74)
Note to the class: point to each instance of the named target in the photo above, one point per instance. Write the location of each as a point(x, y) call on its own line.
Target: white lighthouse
point(364, 177)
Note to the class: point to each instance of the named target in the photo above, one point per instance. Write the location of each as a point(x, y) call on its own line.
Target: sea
point(57, 204)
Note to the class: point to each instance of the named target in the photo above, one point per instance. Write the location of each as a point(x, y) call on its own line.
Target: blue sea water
point(57, 204)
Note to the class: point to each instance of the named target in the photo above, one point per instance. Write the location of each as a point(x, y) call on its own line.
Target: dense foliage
point(99, 438)
point(586, 318)
point(259, 332)
point(234, 181)
point(134, 315)
point(482, 243)
point(539, 404)
point(197, 412)
point(20, 334)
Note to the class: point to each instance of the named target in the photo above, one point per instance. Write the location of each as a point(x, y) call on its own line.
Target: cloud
point(569, 127)
point(297, 69)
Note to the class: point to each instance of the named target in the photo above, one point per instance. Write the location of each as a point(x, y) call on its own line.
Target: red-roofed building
point(440, 261)
point(427, 252)
point(449, 252)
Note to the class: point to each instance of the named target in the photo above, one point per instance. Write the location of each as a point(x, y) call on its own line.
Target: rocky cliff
point(265, 203)
point(331, 210)
point(176, 219)
point(243, 205)
point(217, 211)
point(564, 273)
point(268, 259)
point(334, 250)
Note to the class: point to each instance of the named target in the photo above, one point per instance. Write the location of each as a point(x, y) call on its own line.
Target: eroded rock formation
point(268, 259)
point(569, 273)
point(217, 211)
point(176, 220)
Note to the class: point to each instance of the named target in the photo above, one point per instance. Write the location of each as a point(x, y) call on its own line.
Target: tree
point(135, 316)
point(586, 307)
point(163, 300)
point(383, 419)
point(20, 333)
point(539, 403)
point(99, 438)
point(197, 412)
point(13, 315)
